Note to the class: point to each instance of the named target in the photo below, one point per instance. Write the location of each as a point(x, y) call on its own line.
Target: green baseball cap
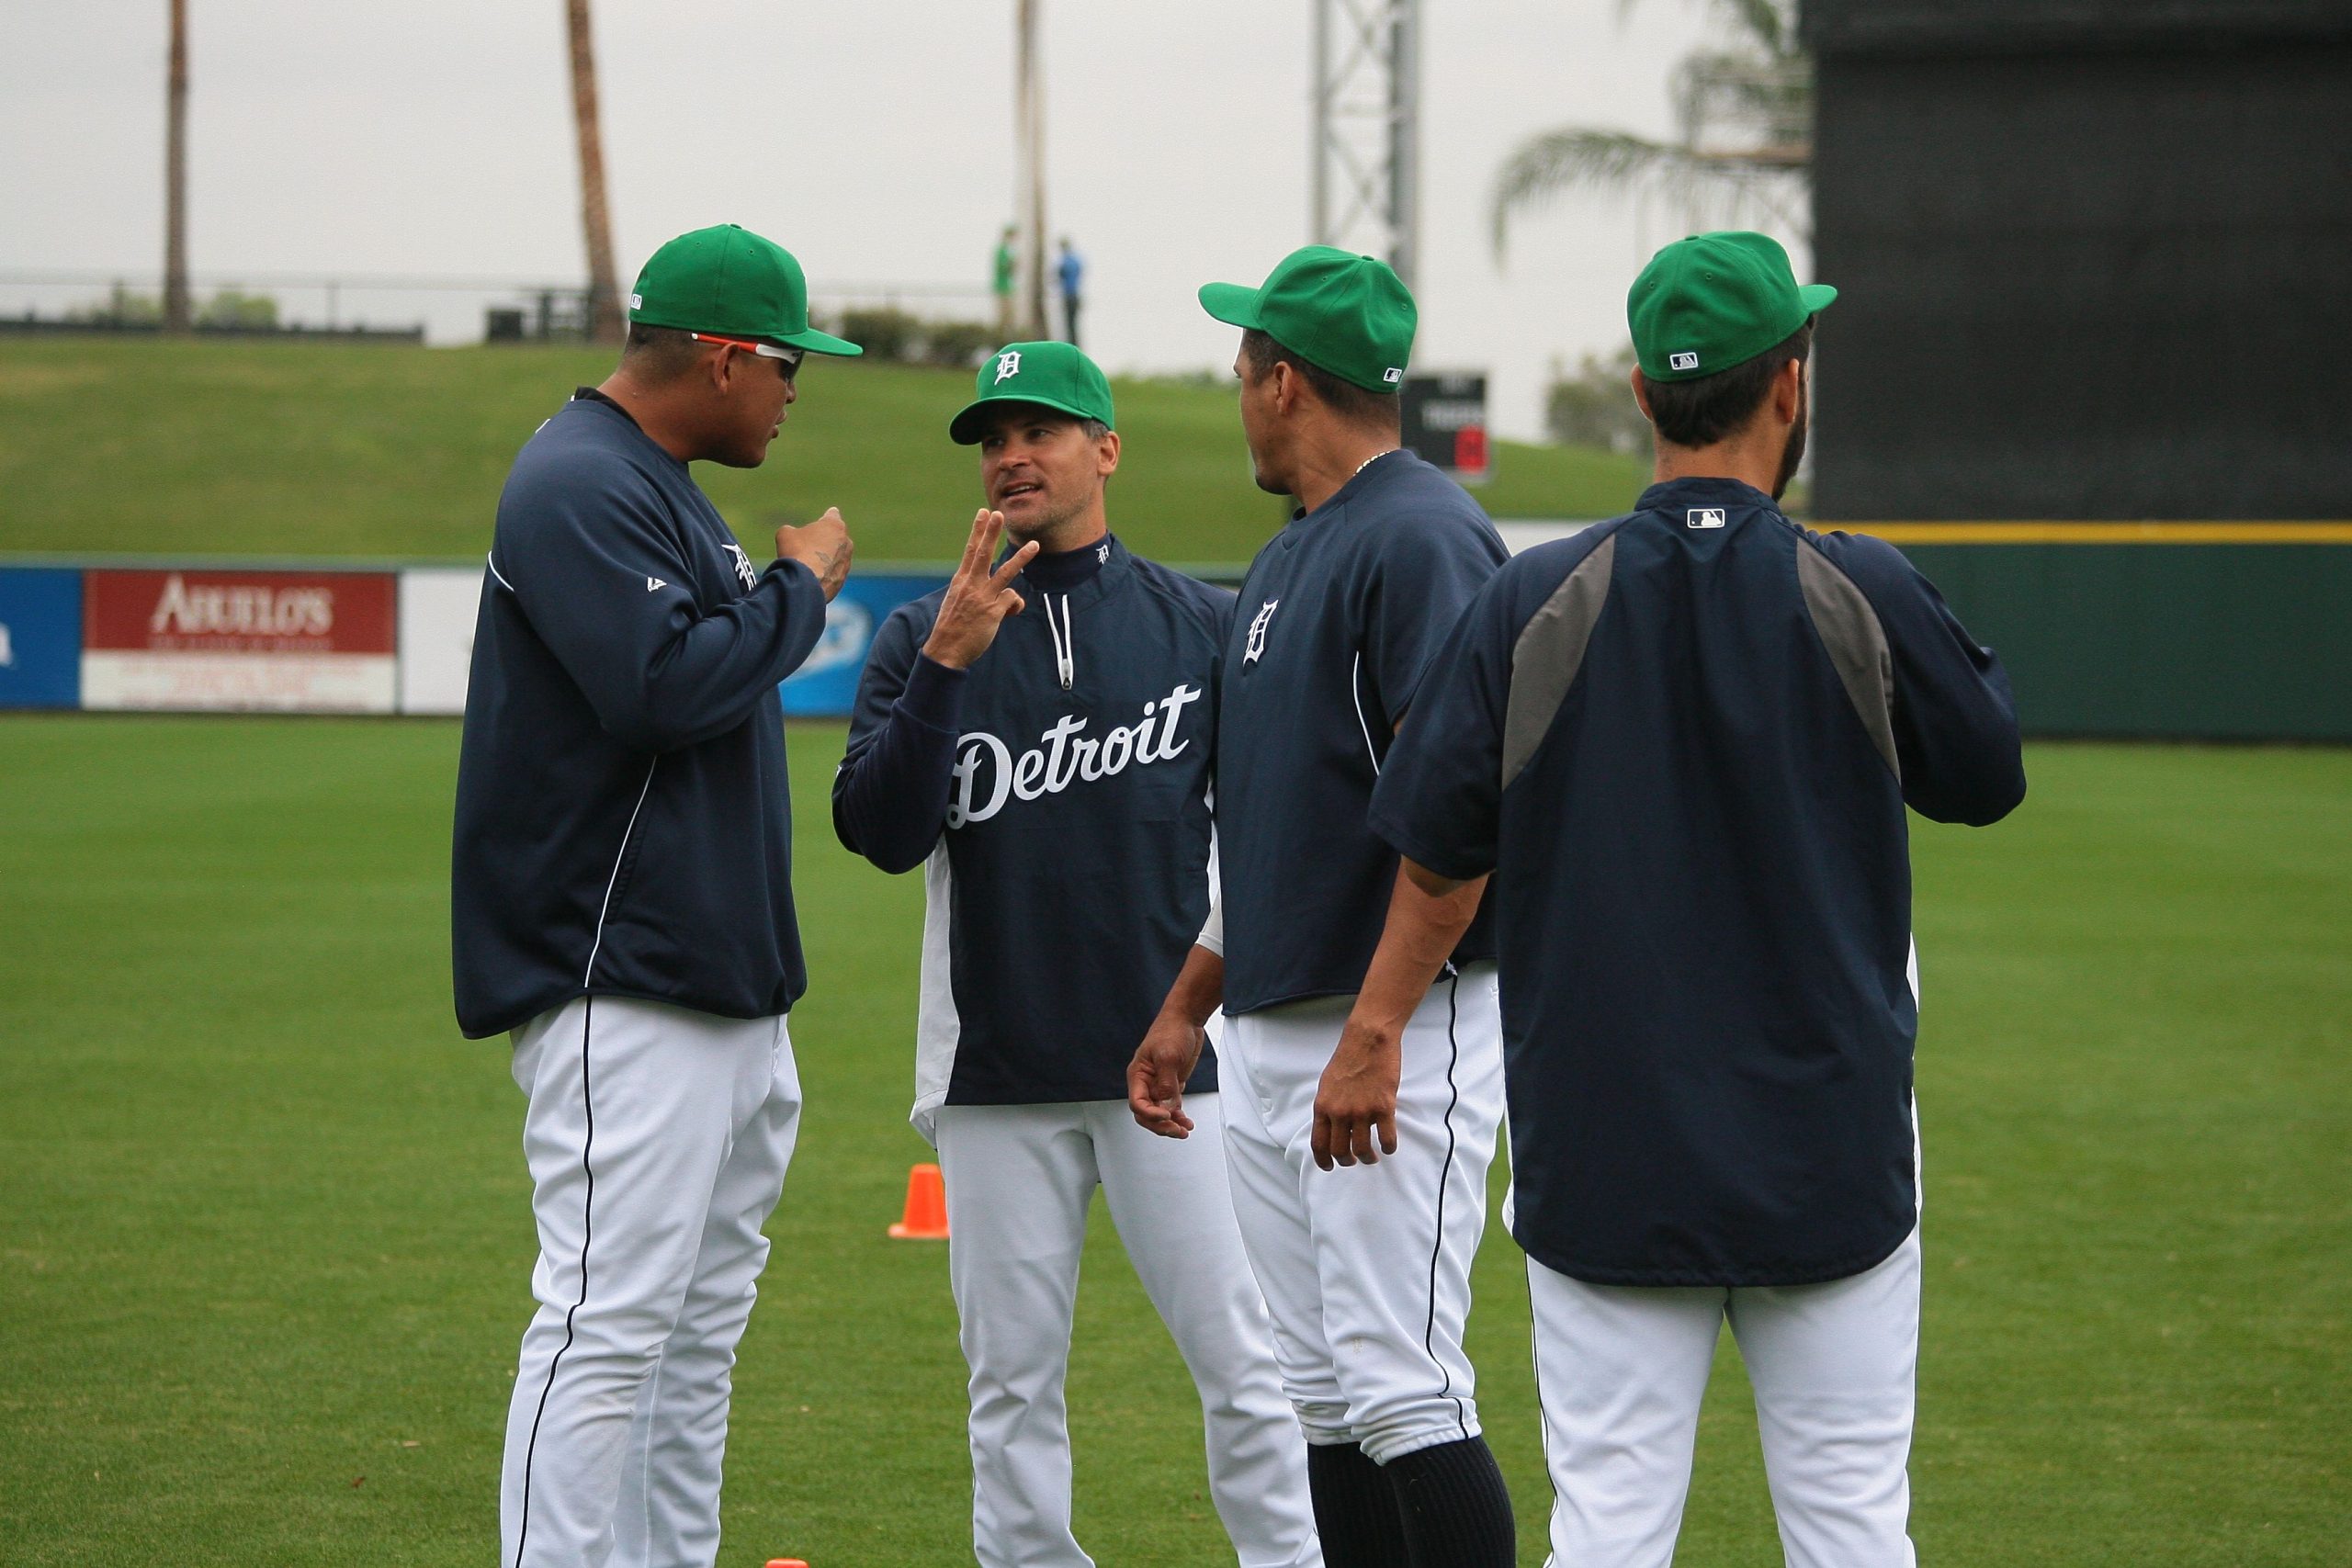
point(1711, 302)
point(1349, 314)
point(726, 280)
point(1055, 374)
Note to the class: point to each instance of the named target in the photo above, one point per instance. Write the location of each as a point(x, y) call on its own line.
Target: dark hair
point(1703, 411)
point(658, 353)
point(1351, 403)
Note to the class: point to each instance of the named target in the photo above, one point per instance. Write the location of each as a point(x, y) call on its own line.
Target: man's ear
point(1106, 454)
point(1788, 392)
point(1642, 395)
point(1287, 386)
point(720, 367)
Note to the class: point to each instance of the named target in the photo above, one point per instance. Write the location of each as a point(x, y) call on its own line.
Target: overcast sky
point(432, 138)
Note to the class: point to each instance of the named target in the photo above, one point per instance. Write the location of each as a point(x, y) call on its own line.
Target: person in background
point(1072, 271)
point(1008, 266)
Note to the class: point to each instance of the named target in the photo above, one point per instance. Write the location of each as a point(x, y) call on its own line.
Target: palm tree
point(1746, 146)
point(603, 289)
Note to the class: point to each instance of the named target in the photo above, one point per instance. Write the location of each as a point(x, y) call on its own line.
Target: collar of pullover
point(1070, 569)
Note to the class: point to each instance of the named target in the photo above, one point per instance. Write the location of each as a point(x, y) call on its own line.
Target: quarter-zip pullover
point(1057, 795)
point(622, 818)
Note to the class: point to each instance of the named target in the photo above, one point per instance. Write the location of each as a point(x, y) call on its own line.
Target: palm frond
point(1771, 23)
point(1553, 163)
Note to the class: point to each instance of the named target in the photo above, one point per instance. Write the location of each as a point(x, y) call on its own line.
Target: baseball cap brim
point(1815, 296)
point(816, 341)
point(965, 429)
point(1235, 304)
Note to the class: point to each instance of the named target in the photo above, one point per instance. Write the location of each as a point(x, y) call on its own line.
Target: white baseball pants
point(657, 1140)
point(1019, 1180)
point(1619, 1370)
point(1366, 1269)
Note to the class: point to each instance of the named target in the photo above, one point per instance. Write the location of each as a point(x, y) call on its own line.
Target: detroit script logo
point(988, 774)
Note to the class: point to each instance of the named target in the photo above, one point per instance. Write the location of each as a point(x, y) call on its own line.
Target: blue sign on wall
point(40, 637)
point(826, 685)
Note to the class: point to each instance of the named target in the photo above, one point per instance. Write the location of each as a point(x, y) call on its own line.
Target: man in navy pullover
point(621, 901)
point(1682, 743)
point(1051, 774)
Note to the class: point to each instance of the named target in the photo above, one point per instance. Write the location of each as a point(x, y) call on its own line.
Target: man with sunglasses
point(622, 900)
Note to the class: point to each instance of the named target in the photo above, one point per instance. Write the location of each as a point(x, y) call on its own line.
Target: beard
point(1793, 454)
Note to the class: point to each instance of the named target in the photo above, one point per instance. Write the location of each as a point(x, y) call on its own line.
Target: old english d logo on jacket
point(988, 774)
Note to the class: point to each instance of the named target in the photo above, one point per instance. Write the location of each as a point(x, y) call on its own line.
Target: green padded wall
point(2241, 642)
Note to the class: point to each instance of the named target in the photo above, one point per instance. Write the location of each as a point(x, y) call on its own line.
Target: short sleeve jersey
point(1337, 620)
point(1682, 742)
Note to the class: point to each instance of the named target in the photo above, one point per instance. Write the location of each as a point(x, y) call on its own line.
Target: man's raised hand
point(978, 599)
point(823, 546)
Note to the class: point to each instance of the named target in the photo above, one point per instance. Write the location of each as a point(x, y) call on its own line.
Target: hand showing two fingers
point(978, 599)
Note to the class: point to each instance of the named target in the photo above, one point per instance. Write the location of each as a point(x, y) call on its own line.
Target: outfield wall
point(203, 637)
point(2187, 631)
point(2183, 632)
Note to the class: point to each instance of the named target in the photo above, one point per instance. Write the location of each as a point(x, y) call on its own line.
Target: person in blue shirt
point(621, 896)
point(1040, 737)
point(1363, 1247)
point(1070, 270)
point(1682, 744)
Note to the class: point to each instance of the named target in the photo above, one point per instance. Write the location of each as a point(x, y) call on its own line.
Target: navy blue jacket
point(1065, 830)
point(1683, 740)
point(1338, 619)
point(624, 821)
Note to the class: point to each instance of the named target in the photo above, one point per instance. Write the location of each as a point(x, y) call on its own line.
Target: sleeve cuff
point(934, 694)
point(1212, 935)
point(1450, 864)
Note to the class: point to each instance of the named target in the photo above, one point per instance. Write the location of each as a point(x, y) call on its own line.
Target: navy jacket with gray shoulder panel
point(624, 822)
point(1057, 795)
point(1683, 741)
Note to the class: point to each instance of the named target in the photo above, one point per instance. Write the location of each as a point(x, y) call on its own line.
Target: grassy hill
point(312, 449)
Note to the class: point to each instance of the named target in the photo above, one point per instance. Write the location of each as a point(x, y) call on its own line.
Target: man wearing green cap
point(1681, 743)
point(1365, 1269)
point(1050, 772)
point(621, 902)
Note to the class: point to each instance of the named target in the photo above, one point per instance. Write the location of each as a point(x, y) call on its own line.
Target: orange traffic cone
point(926, 1217)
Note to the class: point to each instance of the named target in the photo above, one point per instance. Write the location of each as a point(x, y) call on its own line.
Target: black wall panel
point(2086, 283)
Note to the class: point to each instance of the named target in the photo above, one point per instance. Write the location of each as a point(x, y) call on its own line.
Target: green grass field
point(310, 449)
point(263, 1249)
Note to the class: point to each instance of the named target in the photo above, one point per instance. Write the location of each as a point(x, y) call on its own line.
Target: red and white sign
point(283, 641)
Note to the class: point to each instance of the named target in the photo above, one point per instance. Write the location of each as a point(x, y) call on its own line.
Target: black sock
point(1355, 1508)
point(1455, 1508)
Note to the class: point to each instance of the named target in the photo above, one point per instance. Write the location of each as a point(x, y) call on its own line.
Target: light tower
point(1365, 152)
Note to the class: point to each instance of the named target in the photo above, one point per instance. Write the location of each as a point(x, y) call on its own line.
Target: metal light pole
point(1364, 154)
point(176, 311)
point(1029, 153)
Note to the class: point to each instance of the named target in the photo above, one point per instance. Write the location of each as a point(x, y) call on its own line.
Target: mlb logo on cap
point(1683, 361)
point(1704, 517)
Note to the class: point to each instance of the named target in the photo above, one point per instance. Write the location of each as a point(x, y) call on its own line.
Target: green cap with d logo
point(1711, 302)
point(1349, 314)
point(728, 280)
point(1055, 374)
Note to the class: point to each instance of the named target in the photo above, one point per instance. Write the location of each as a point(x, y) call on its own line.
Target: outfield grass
point(263, 1260)
point(336, 449)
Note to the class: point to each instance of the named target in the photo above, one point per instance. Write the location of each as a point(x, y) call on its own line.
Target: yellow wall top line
point(2314, 533)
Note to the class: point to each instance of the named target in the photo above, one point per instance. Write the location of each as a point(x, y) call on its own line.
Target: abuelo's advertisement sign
point(279, 641)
